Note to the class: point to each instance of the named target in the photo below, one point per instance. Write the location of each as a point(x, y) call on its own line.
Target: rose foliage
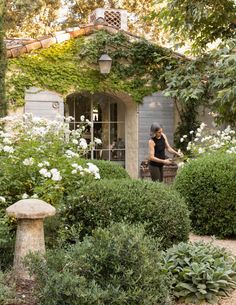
point(206, 140)
point(40, 159)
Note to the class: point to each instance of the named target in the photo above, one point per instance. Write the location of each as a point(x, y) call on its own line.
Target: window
point(107, 116)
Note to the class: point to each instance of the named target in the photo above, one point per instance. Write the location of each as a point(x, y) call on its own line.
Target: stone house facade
point(122, 124)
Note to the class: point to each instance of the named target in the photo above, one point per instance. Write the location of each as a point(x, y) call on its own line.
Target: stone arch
point(128, 133)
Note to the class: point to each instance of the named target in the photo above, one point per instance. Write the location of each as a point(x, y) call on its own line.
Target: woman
point(157, 145)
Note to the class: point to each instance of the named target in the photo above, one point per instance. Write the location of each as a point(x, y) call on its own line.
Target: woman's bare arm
point(169, 148)
point(152, 157)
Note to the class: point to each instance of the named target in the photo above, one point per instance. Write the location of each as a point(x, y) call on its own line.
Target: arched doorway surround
point(113, 120)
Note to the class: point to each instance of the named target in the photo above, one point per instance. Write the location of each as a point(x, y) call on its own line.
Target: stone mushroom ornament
point(30, 214)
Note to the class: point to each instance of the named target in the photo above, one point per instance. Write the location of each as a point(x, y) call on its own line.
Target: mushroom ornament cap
point(30, 209)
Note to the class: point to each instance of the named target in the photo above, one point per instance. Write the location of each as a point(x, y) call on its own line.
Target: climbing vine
point(139, 68)
point(73, 66)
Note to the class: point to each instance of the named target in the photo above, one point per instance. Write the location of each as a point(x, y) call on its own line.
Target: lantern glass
point(105, 64)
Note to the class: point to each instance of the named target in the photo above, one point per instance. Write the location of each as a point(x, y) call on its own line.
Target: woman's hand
point(167, 162)
point(180, 154)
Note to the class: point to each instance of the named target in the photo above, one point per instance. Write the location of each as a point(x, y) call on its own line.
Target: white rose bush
point(206, 141)
point(41, 159)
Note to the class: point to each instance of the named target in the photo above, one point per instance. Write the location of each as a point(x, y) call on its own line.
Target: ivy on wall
point(72, 66)
point(139, 68)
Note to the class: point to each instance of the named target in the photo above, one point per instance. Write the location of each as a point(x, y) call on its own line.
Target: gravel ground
point(227, 244)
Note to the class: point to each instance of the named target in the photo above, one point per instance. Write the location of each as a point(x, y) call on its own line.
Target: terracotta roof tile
point(18, 46)
point(33, 46)
point(47, 42)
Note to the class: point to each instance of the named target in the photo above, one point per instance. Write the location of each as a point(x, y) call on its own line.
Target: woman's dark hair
point(154, 128)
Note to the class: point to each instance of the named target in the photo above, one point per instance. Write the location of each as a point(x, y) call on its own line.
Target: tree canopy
point(40, 17)
point(197, 22)
point(31, 18)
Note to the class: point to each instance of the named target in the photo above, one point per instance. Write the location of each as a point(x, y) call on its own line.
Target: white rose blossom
point(93, 169)
point(83, 144)
point(2, 199)
point(70, 154)
point(97, 141)
point(43, 163)
point(8, 149)
point(28, 161)
point(75, 141)
point(25, 196)
point(44, 172)
point(7, 141)
point(56, 176)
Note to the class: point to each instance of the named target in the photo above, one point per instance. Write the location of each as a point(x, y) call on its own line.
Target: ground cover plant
point(162, 211)
point(208, 185)
point(200, 272)
point(117, 265)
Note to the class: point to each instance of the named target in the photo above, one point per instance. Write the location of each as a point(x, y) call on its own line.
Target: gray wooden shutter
point(155, 108)
point(42, 103)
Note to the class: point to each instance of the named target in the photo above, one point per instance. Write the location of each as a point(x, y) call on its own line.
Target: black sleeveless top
point(159, 150)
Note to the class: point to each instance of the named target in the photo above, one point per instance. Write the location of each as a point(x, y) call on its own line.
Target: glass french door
point(107, 117)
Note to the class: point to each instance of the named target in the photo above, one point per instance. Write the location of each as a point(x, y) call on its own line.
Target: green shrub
point(200, 272)
point(37, 162)
point(108, 169)
point(119, 265)
point(7, 242)
point(209, 186)
point(7, 293)
point(160, 208)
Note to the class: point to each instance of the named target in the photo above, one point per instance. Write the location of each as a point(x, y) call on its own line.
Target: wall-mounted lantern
point(105, 64)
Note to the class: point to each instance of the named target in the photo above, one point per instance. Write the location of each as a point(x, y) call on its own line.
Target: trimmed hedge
point(118, 265)
point(209, 186)
point(107, 169)
point(160, 208)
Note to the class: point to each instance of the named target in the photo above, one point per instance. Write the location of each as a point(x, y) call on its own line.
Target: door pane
point(107, 117)
point(101, 131)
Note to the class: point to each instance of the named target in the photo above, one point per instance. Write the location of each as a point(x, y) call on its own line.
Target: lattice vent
point(113, 18)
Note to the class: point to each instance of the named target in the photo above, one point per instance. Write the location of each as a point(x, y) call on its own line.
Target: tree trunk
point(3, 60)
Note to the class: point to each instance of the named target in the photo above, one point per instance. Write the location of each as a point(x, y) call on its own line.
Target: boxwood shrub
point(7, 241)
point(107, 169)
point(161, 209)
point(119, 265)
point(209, 187)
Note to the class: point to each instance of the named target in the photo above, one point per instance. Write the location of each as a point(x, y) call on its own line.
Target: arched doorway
point(107, 116)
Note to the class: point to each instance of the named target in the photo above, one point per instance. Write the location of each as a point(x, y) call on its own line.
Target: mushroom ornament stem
point(30, 214)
